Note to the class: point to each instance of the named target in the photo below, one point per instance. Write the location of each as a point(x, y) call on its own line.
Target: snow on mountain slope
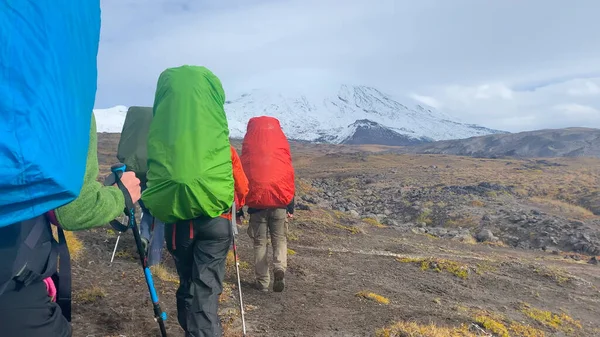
point(311, 116)
point(110, 120)
point(335, 116)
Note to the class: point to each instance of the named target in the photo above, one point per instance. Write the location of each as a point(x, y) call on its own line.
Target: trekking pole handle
point(118, 168)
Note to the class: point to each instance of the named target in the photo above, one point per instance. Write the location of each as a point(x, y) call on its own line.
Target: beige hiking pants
point(273, 220)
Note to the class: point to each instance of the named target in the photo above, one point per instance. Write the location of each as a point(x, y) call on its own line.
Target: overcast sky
point(507, 64)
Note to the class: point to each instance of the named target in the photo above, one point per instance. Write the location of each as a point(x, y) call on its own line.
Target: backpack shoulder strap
point(62, 278)
point(20, 270)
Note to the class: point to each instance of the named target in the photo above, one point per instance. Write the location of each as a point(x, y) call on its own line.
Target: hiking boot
point(279, 282)
point(261, 288)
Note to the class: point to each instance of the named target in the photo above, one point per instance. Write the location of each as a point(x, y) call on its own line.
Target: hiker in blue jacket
point(47, 91)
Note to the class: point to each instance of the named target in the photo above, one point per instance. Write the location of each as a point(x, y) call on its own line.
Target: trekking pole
point(159, 315)
point(237, 266)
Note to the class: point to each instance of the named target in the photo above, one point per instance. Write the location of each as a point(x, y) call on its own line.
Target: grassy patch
point(557, 322)
point(227, 292)
point(373, 222)
point(373, 297)
point(425, 217)
point(230, 261)
point(467, 221)
point(163, 273)
point(522, 330)
point(564, 208)
point(477, 203)
point(500, 326)
point(493, 325)
point(90, 295)
point(292, 236)
point(291, 252)
point(412, 329)
point(455, 268)
point(75, 245)
point(558, 275)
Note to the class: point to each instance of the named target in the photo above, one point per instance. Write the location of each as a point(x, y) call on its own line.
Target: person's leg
point(29, 312)
point(277, 227)
point(213, 240)
point(257, 230)
point(156, 242)
point(180, 246)
point(145, 227)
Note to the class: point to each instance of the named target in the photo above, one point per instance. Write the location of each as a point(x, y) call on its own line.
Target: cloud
point(565, 104)
point(503, 64)
point(432, 102)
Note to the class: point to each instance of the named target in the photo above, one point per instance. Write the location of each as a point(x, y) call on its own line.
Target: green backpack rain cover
point(190, 172)
point(133, 145)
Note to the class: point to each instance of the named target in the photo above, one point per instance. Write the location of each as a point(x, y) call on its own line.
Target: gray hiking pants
point(272, 220)
point(199, 248)
point(153, 230)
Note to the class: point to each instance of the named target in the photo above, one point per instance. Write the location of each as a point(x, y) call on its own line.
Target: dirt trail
point(324, 277)
point(333, 258)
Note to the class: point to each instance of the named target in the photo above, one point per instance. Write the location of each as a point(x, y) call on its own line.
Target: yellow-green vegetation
point(455, 268)
point(491, 194)
point(374, 223)
point(477, 203)
point(333, 219)
point(373, 297)
point(292, 236)
point(492, 324)
point(425, 217)
point(124, 254)
point(558, 322)
point(564, 208)
point(230, 261)
point(305, 187)
point(494, 243)
point(521, 330)
point(227, 292)
point(500, 326)
point(412, 329)
point(163, 273)
point(560, 276)
point(90, 295)
point(467, 221)
point(291, 252)
point(75, 245)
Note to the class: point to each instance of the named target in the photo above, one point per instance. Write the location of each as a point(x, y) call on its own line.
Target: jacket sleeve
point(240, 180)
point(290, 207)
point(96, 204)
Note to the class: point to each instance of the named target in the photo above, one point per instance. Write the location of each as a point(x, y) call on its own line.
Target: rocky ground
point(391, 245)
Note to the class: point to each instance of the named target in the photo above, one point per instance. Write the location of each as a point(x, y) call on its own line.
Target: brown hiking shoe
point(260, 287)
point(279, 282)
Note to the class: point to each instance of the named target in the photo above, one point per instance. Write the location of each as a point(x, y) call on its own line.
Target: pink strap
point(51, 288)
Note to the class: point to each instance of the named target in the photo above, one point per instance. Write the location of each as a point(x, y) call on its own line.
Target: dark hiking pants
point(27, 310)
point(199, 248)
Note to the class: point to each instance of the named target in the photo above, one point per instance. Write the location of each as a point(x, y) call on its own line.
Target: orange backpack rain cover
point(267, 162)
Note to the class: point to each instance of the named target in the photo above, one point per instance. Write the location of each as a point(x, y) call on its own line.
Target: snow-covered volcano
point(334, 117)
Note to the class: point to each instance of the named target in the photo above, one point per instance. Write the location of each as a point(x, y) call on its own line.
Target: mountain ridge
point(564, 142)
point(334, 116)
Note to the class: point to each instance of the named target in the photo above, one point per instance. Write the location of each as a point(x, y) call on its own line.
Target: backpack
point(47, 92)
point(189, 158)
point(267, 161)
point(133, 144)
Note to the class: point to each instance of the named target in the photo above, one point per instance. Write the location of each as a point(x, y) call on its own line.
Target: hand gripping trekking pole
point(237, 266)
point(159, 315)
